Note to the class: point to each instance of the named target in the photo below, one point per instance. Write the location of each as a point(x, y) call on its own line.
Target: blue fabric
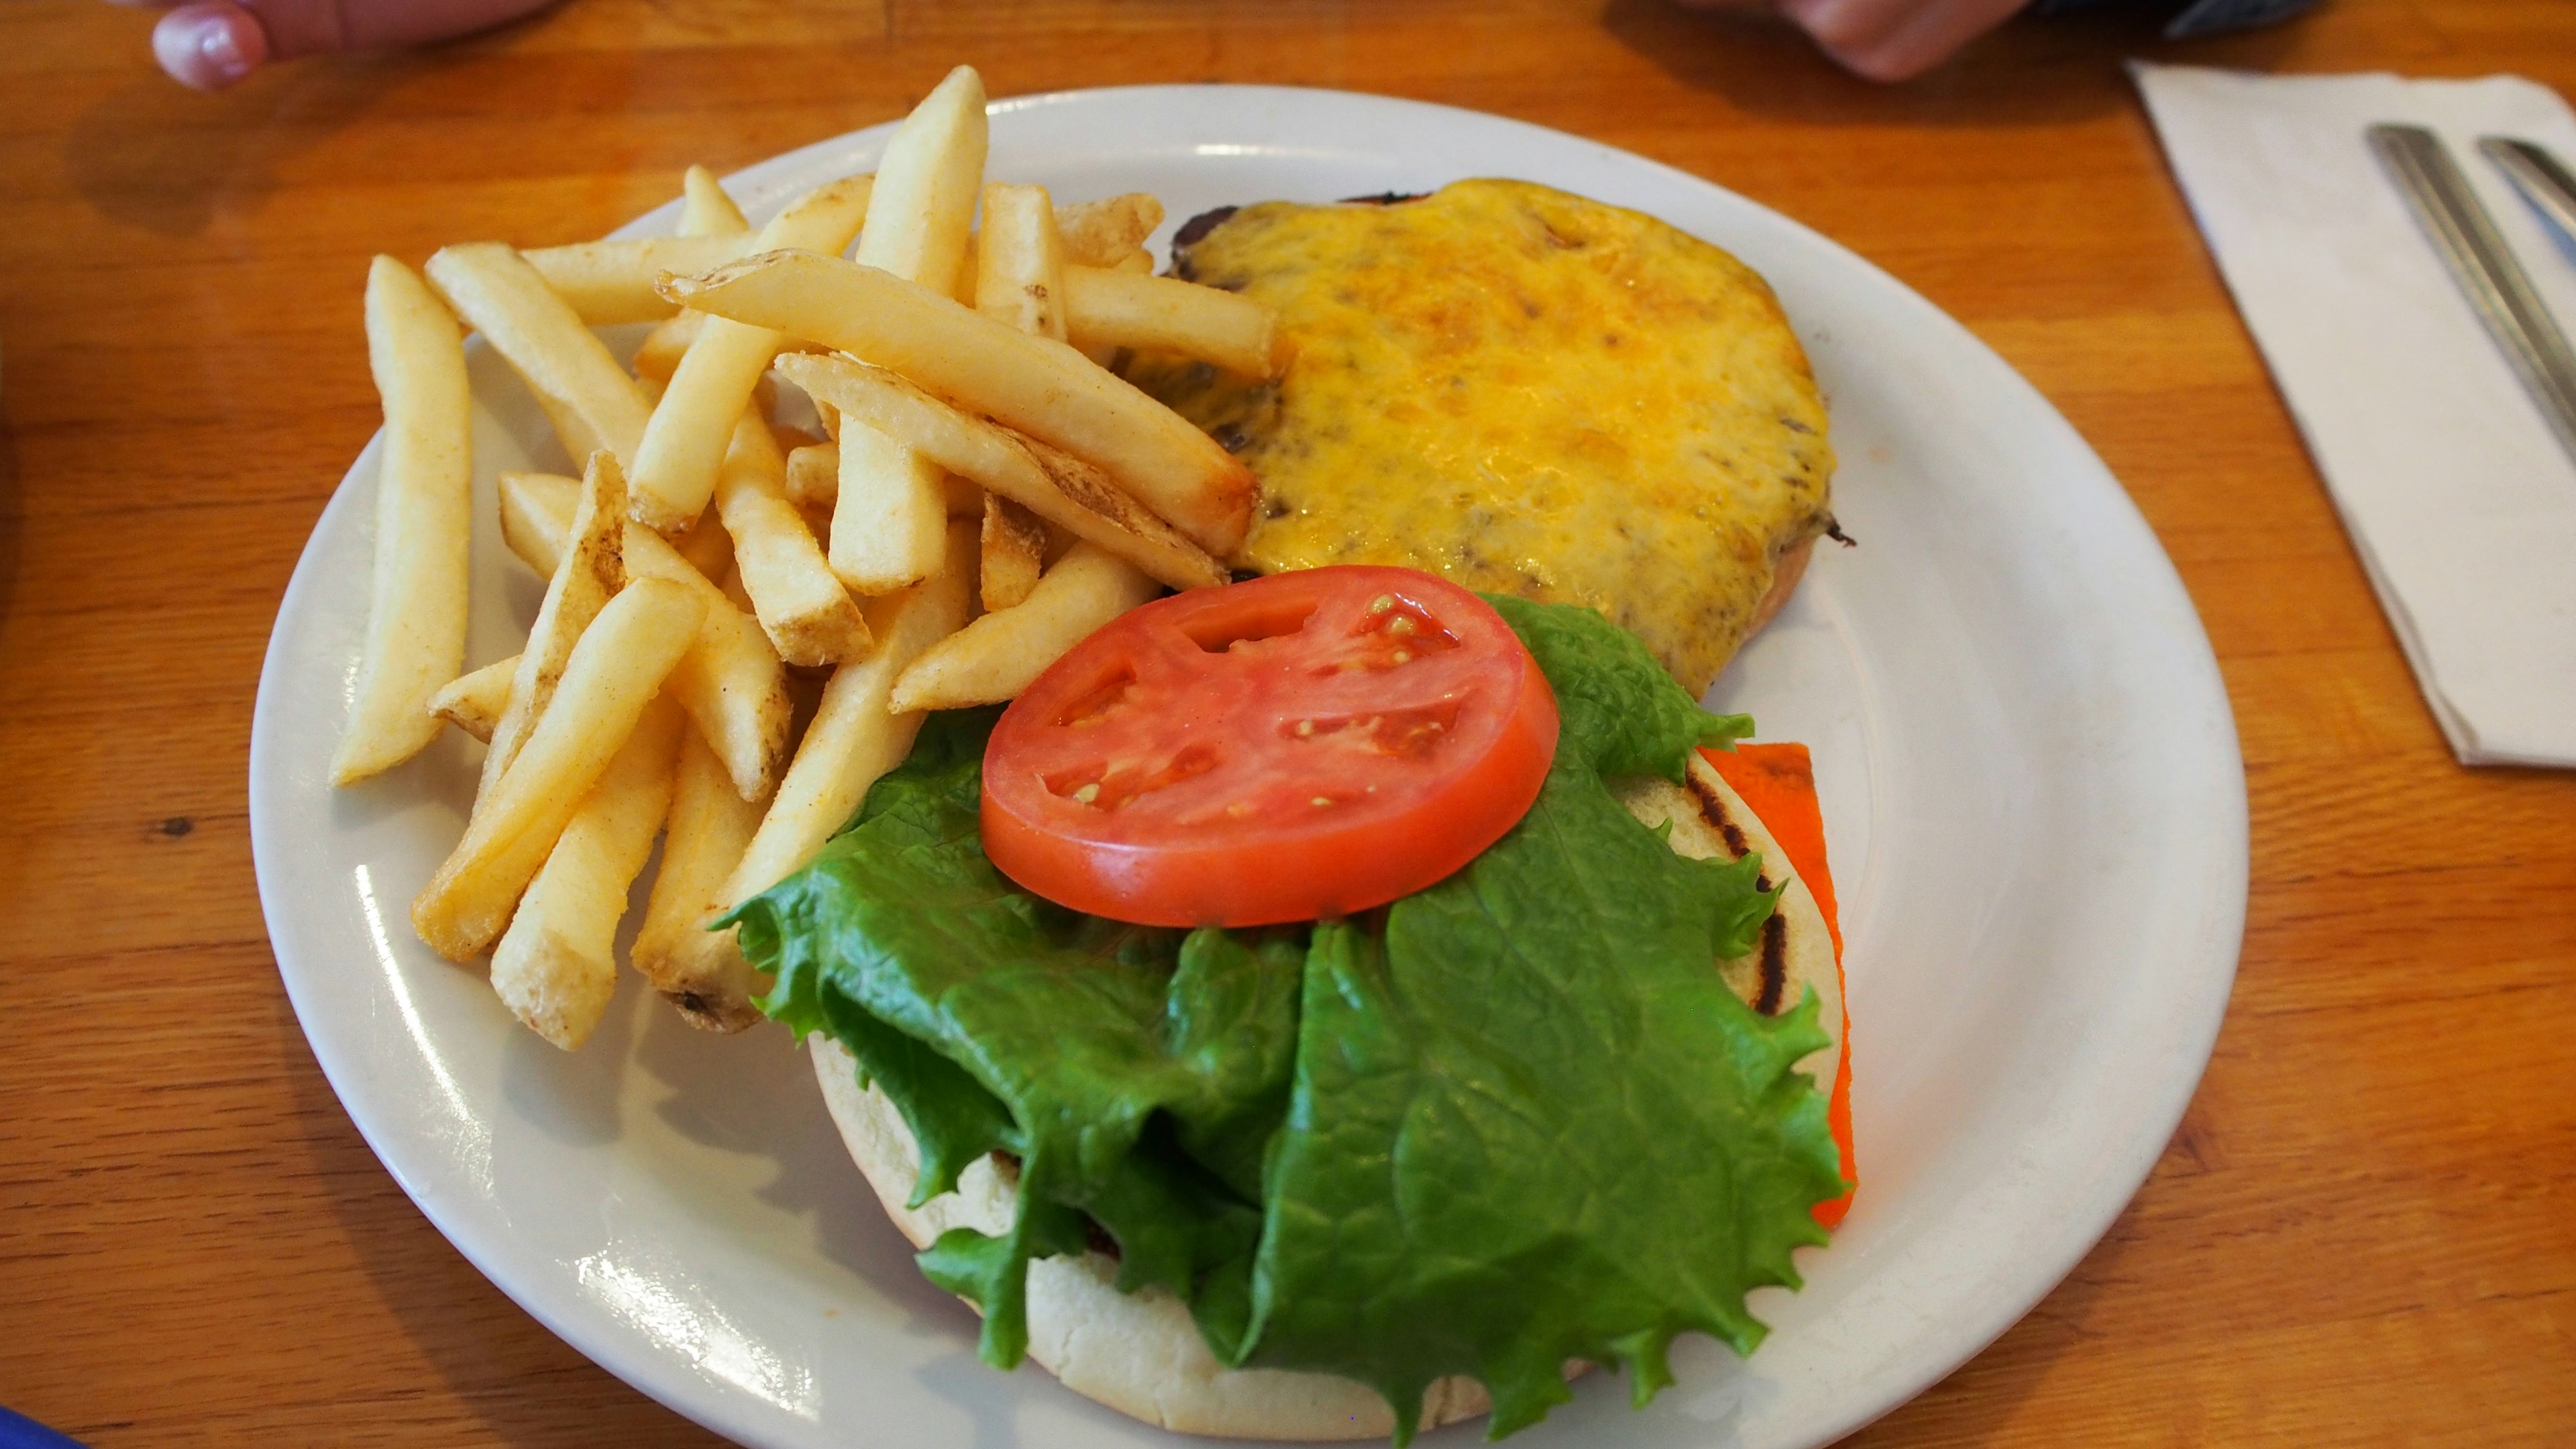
point(20, 1432)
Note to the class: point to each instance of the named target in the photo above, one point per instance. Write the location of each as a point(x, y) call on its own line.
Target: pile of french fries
point(986, 492)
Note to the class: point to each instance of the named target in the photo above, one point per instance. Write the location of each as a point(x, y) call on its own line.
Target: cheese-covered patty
point(1525, 391)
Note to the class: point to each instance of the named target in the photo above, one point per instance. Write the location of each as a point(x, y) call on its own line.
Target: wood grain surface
point(2365, 1232)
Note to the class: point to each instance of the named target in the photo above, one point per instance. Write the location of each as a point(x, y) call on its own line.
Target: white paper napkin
point(2457, 495)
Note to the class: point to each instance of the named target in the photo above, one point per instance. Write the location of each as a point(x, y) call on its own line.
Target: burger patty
point(1525, 391)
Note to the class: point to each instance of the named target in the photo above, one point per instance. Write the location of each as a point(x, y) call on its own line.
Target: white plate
point(2029, 769)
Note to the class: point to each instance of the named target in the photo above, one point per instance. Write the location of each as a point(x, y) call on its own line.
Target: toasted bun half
point(1140, 1353)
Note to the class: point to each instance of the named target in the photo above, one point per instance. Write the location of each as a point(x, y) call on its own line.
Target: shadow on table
point(156, 155)
point(2033, 71)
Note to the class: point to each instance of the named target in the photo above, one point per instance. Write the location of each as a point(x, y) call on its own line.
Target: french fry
point(1019, 261)
point(705, 209)
point(926, 188)
point(710, 826)
point(1019, 281)
point(590, 399)
point(556, 965)
point(1165, 314)
point(659, 354)
point(684, 442)
point(1055, 486)
point(810, 617)
point(1039, 387)
point(415, 638)
point(707, 547)
point(474, 702)
point(814, 480)
point(996, 657)
point(814, 475)
point(1101, 233)
point(613, 673)
point(889, 514)
point(1139, 262)
point(853, 738)
point(591, 569)
point(607, 283)
point(1014, 551)
point(731, 682)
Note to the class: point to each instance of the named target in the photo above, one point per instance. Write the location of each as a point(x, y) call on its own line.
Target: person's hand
point(1887, 40)
point(209, 44)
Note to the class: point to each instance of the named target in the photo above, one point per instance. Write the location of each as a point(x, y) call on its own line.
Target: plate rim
point(740, 1416)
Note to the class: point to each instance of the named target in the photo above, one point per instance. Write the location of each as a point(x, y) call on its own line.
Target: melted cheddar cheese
point(1527, 392)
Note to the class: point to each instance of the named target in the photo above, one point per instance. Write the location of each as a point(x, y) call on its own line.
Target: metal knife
point(2494, 282)
point(2538, 176)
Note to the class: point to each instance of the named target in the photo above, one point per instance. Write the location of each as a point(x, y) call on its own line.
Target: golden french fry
point(814, 480)
point(809, 616)
point(1139, 262)
point(556, 966)
point(474, 702)
point(1020, 261)
point(889, 513)
point(710, 826)
point(814, 475)
point(589, 398)
point(853, 738)
point(1020, 281)
point(415, 638)
point(1121, 309)
point(659, 354)
point(1101, 233)
point(591, 569)
point(970, 270)
point(705, 209)
point(996, 657)
point(613, 673)
point(1039, 387)
point(607, 283)
point(1014, 552)
point(684, 442)
point(926, 185)
point(707, 547)
point(1055, 486)
point(731, 682)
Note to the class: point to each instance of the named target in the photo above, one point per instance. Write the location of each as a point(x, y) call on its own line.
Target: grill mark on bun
point(1713, 810)
point(1775, 966)
point(1775, 931)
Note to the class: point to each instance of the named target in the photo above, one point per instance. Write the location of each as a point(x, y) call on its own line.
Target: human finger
point(209, 45)
point(1894, 40)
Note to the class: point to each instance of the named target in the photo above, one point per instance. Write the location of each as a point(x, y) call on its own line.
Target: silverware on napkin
point(2485, 269)
point(2538, 176)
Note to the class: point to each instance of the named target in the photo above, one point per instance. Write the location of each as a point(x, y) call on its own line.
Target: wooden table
point(2365, 1231)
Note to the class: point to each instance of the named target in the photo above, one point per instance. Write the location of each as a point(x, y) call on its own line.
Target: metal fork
point(2495, 283)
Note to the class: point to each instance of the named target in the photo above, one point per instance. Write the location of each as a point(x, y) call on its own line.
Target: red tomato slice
point(1306, 745)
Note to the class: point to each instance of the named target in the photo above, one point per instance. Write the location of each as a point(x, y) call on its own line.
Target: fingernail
point(204, 46)
point(221, 46)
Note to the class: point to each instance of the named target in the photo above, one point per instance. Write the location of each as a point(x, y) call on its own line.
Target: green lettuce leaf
point(1509, 1121)
point(1530, 1125)
point(1623, 711)
point(1097, 1053)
